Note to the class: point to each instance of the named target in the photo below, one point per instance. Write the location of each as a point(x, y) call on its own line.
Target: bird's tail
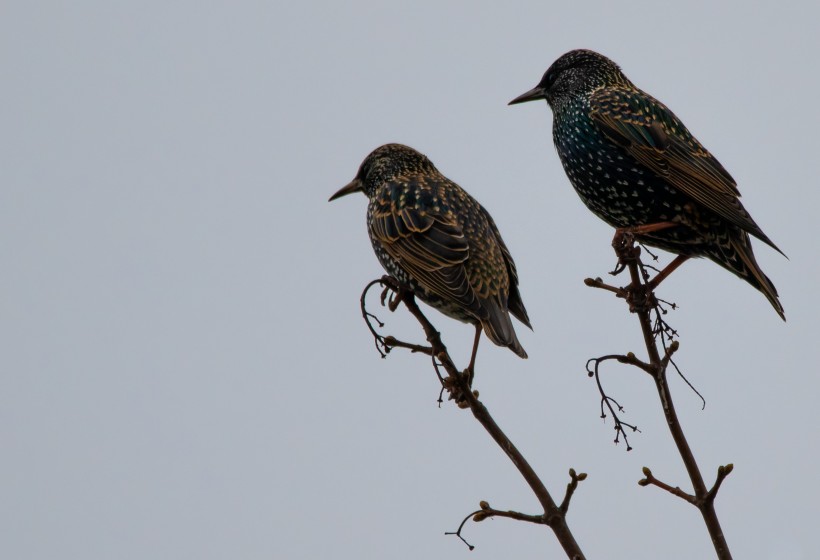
point(741, 260)
point(499, 329)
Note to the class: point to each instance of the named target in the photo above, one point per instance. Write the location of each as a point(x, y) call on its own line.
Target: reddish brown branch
point(393, 342)
point(723, 472)
point(487, 511)
point(458, 385)
point(642, 301)
point(575, 478)
point(650, 479)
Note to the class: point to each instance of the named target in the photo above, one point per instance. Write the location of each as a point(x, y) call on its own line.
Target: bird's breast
point(610, 182)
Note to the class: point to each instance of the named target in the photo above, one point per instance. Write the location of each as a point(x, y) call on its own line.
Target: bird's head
point(576, 73)
point(384, 164)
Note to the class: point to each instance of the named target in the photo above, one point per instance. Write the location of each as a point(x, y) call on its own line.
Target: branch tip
point(575, 478)
point(606, 400)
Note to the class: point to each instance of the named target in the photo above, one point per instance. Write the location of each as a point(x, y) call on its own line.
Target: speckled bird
point(637, 167)
point(432, 236)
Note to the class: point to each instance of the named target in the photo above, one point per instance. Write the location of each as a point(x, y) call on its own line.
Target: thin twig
point(650, 479)
point(488, 511)
point(608, 401)
point(723, 472)
point(575, 478)
point(393, 342)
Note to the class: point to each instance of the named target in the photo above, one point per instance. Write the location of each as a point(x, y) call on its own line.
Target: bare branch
point(392, 342)
point(675, 491)
point(598, 283)
point(640, 297)
point(571, 487)
point(461, 526)
point(607, 401)
point(722, 473)
point(487, 512)
point(457, 384)
point(369, 317)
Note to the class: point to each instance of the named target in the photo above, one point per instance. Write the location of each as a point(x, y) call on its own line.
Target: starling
point(638, 168)
point(436, 239)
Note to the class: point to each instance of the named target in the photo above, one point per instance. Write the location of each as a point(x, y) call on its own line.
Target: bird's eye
point(548, 80)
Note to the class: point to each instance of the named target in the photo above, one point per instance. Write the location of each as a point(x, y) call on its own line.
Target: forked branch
point(640, 295)
point(457, 384)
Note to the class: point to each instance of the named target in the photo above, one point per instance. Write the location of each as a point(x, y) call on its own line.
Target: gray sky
point(185, 373)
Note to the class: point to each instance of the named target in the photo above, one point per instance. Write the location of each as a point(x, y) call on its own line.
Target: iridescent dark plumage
point(431, 235)
point(634, 163)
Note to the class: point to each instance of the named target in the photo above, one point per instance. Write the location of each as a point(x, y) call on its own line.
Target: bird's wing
point(656, 138)
point(427, 243)
point(514, 302)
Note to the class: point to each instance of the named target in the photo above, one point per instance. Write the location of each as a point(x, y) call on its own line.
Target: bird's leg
point(669, 269)
point(647, 228)
point(470, 371)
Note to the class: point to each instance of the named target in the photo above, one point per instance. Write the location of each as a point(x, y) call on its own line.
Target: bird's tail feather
point(754, 275)
point(517, 307)
point(499, 329)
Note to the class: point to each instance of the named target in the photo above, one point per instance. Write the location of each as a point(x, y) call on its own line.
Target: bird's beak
point(535, 93)
point(353, 186)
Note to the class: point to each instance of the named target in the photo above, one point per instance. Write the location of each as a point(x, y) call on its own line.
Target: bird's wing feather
point(656, 138)
point(429, 245)
point(514, 302)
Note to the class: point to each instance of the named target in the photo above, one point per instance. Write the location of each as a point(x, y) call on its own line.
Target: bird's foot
point(393, 292)
point(625, 249)
point(460, 388)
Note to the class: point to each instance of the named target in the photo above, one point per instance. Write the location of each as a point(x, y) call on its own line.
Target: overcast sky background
point(184, 372)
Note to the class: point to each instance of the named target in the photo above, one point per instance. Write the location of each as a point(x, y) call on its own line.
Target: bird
point(436, 239)
point(637, 167)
